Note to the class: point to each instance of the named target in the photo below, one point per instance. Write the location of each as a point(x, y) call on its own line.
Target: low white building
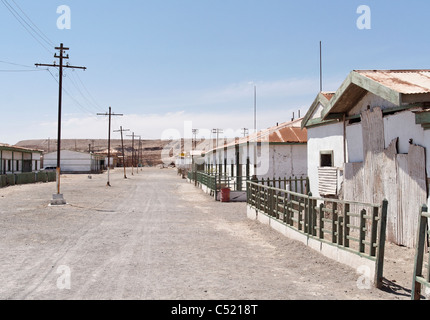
point(75, 162)
point(369, 141)
point(276, 152)
point(15, 159)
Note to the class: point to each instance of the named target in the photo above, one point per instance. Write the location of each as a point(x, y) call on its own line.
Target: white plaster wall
point(286, 161)
point(354, 143)
point(402, 125)
point(328, 137)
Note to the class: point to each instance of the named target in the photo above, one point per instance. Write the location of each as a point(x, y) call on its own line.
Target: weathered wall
point(322, 138)
point(384, 173)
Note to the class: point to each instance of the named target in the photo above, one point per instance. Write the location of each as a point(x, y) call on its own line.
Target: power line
point(46, 38)
point(74, 83)
point(84, 109)
point(17, 64)
point(22, 21)
point(21, 70)
point(79, 78)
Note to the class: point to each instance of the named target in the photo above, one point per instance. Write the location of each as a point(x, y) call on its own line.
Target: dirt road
point(154, 236)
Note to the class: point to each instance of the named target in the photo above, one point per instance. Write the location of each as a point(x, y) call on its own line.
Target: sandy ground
point(155, 236)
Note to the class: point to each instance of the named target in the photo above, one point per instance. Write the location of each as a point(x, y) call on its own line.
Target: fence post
point(419, 255)
point(362, 232)
point(381, 245)
point(306, 215)
point(333, 223)
point(373, 232)
point(314, 220)
point(284, 218)
point(340, 230)
point(299, 215)
point(346, 225)
point(321, 222)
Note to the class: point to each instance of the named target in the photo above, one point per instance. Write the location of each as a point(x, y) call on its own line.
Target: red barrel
point(225, 195)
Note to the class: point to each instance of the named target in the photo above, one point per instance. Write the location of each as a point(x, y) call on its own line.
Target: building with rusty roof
point(369, 141)
point(276, 152)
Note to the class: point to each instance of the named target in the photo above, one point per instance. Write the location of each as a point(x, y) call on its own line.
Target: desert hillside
point(150, 150)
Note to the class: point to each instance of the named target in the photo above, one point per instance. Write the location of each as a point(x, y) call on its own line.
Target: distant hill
point(151, 150)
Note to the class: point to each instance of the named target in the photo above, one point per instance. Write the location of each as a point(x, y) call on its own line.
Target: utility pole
point(195, 132)
point(140, 154)
point(138, 151)
point(110, 114)
point(122, 146)
point(58, 198)
point(217, 132)
point(132, 151)
point(245, 132)
point(254, 176)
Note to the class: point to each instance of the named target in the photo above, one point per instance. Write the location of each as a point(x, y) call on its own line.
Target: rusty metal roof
point(402, 81)
point(287, 132)
point(328, 95)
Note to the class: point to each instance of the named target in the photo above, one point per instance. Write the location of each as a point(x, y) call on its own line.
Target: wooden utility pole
point(110, 114)
point(137, 153)
point(245, 132)
point(122, 146)
point(61, 56)
point(132, 152)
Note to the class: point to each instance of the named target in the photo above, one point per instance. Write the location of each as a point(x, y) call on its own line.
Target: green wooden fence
point(26, 178)
point(327, 220)
point(296, 184)
point(419, 278)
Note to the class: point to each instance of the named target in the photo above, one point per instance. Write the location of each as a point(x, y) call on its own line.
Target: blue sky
point(162, 63)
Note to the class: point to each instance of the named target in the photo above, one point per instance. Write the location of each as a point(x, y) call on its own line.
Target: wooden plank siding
point(400, 178)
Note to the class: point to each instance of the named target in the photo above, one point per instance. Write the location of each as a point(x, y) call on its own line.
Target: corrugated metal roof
point(402, 81)
point(287, 132)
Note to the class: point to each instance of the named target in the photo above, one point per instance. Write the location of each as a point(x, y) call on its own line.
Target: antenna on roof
point(321, 85)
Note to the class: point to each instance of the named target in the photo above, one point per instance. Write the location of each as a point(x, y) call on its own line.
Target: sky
point(168, 66)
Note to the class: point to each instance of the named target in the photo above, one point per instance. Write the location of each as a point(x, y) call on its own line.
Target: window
point(326, 158)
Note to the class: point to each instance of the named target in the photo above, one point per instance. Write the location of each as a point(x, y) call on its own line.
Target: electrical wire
point(70, 76)
point(21, 20)
point(17, 64)
point(84, 109)
point(48, 41)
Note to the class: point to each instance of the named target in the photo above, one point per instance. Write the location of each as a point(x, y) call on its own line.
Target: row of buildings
point(366, 142)
point(14, 159)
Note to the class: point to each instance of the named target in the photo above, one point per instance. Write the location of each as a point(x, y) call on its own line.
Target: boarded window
point(327, 181)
